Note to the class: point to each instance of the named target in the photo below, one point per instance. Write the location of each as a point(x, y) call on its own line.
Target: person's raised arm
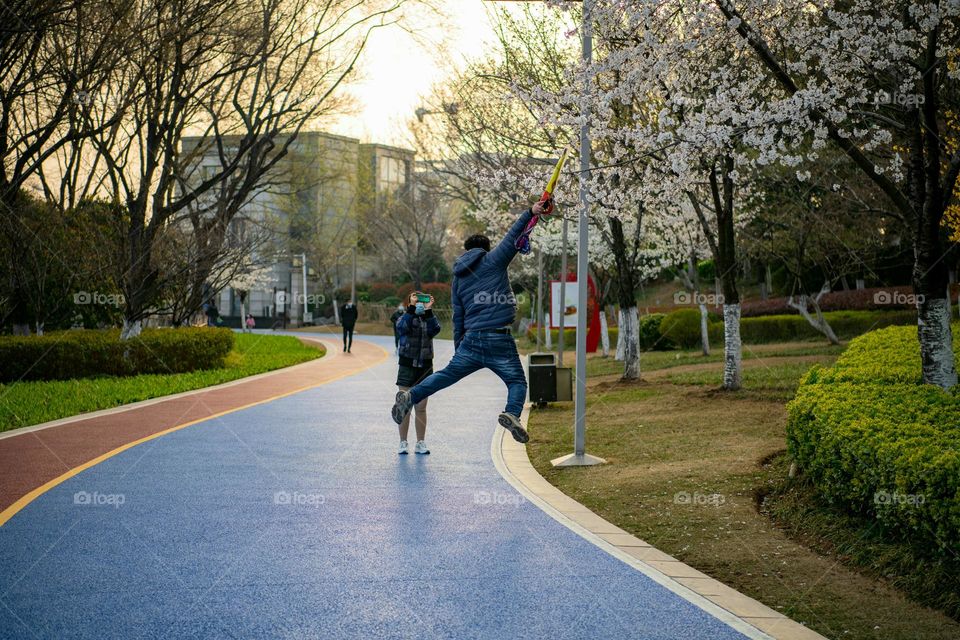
point(504, 252)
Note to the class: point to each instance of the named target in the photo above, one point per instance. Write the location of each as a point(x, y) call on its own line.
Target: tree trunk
point(131, 329)
point(726, 260)
point(704, 330)
point(604, 334)
point(819, 322)
point(936, 343)
point(630, 335)
point(626, 288)
point(620, 322)
point(732, 347)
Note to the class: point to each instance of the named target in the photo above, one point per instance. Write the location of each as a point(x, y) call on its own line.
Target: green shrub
point(682, 328)
point(81, 354)
point(390, 301)
point(650, 337)
point(877, 441)
point(786, 328)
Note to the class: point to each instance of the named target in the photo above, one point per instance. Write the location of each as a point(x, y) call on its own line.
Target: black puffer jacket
point(416, 336)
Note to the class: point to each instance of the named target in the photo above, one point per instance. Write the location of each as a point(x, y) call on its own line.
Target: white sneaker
point(421, 447)
point(403, 448)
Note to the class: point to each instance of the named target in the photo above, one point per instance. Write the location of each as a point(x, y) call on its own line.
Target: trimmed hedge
point(682, 328)
point(651, 337)
point(663, 332)
point(877, 441)
point(846, 324)
point(82, 354)
point(873, 299)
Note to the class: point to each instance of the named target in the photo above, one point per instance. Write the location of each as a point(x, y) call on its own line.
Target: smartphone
point(424, 298)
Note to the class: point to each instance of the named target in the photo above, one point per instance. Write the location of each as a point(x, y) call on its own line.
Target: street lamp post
point(580, 457)
point(306, 313)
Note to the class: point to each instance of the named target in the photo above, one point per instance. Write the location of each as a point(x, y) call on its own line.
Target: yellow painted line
point(17, 506)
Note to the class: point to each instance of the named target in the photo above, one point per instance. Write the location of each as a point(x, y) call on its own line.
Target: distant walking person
point(348, 318)
point(484, 308)
point(393, 320)
point(416, 329)
point(213, 314)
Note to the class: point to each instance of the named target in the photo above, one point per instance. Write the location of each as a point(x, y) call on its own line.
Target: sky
point(398, 70)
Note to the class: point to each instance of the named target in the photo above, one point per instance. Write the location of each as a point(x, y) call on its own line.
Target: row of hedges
point(681, 329)
point(82, 354)
point(391, 294)
point(877, 441)
point(873, 299)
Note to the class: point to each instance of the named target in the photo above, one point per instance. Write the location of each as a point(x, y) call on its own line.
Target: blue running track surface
point(297, 519)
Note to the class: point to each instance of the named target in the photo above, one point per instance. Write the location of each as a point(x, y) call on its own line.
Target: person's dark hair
point(477, 241)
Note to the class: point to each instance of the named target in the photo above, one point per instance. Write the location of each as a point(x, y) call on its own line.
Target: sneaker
point(421, 447)
point(401, 407)
point(512, 424)
point(403, 448)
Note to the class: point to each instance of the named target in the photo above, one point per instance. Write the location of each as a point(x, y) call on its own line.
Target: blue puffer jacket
point(482, 296)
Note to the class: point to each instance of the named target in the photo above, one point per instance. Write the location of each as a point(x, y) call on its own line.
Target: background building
point(314, 205)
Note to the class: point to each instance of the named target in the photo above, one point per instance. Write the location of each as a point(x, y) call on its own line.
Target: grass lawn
point(28, 403)
point(701, 474)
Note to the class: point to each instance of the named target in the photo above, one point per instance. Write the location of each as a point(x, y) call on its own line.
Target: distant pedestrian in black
point(348, 318)
point(393, 320)
point(213, 314)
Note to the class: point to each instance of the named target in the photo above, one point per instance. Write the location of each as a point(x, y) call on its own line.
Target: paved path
point(296, 519)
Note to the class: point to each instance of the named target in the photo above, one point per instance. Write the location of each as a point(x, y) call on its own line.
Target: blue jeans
point(494, 351)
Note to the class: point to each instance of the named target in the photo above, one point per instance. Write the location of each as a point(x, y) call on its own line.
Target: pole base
point(573, 460)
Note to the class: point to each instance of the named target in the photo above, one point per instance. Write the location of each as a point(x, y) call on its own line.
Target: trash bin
point(542, 371)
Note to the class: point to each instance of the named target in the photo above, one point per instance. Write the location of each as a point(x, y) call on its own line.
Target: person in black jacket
point(348, 318)
point(393, 320)
point(416, 328)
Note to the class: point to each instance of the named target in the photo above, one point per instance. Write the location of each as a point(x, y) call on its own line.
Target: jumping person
point(484, 308)
point(416, 329)
point(348, 318)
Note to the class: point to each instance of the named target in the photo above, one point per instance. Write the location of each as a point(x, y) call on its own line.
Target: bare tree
point(242, 79)
point(411, 227)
